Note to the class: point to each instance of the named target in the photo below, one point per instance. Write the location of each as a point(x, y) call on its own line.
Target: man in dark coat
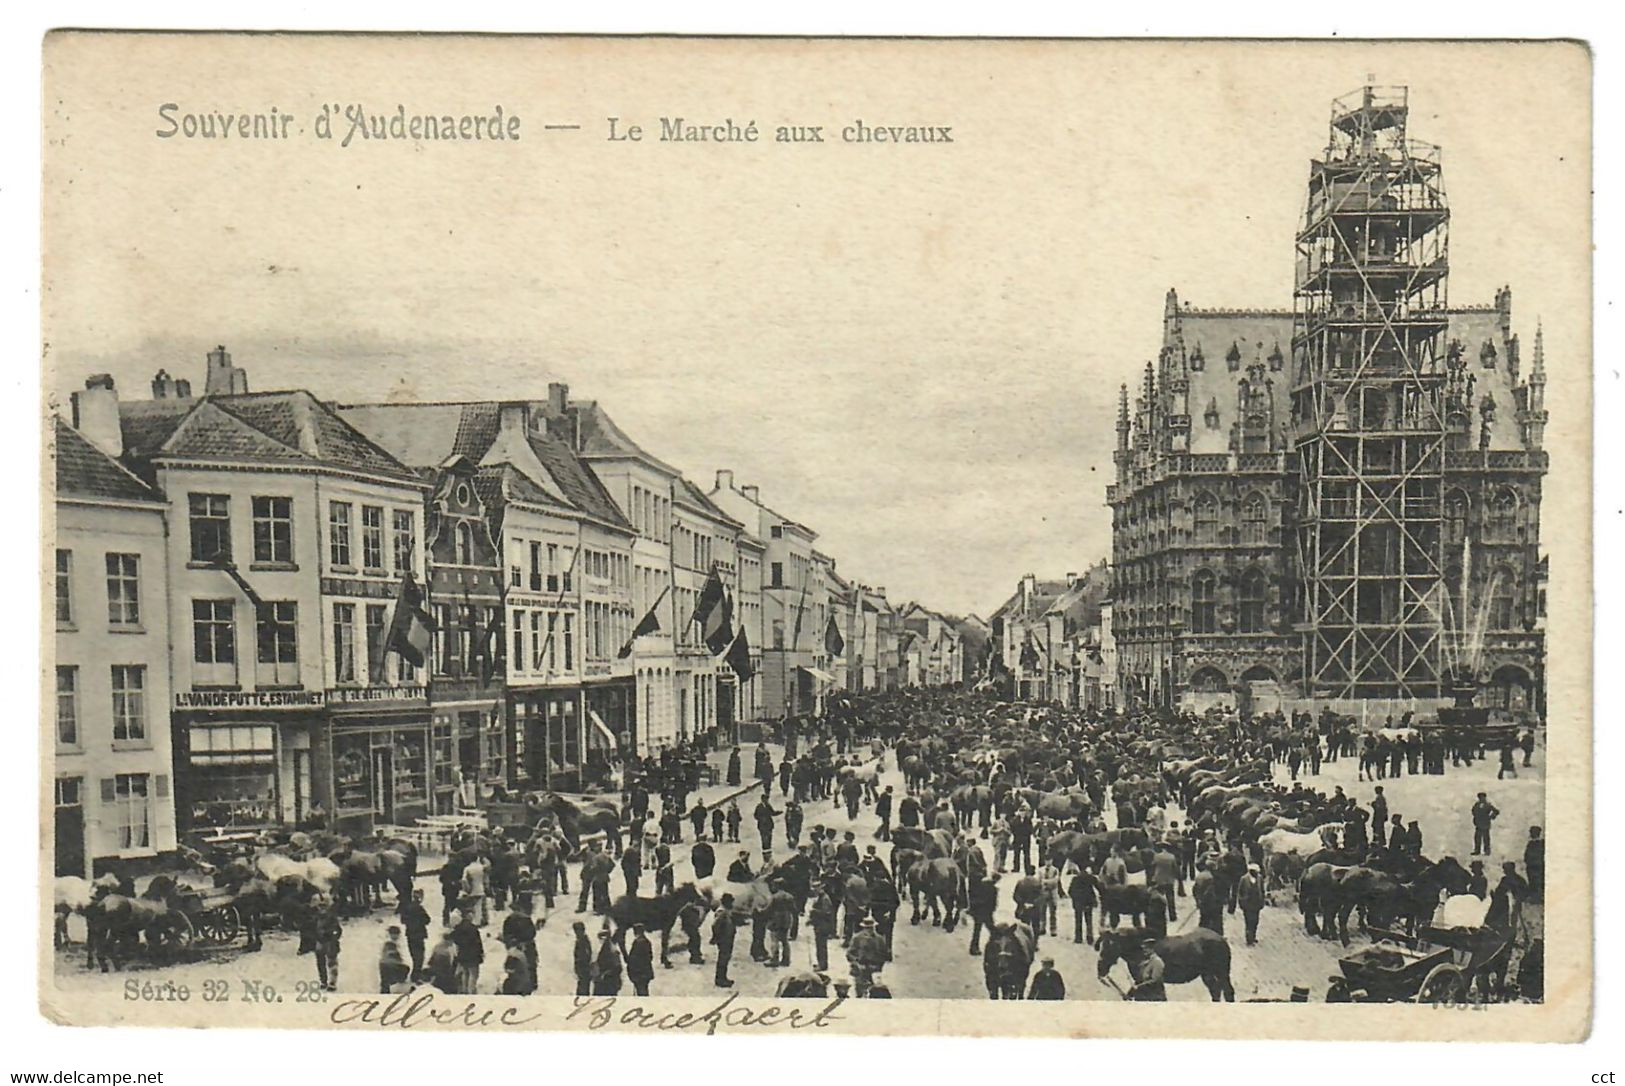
point(696, 818)
point(793, 820)
point(640, 961)
point(822, 920)
point(583, 959)
point(470, 953)
point(328, 934)
point(739, 870)
point(733, 767)
point(1021, 839)
point(1379, 817)
point(883, 812)
point(704, 859)
point(1483, 814)
point(606, 973)
point(519, 930)
point(632, 868)
point(722, 937)
point(1047, 983)
point(1250, 896)
point(983, 902)
point(415, 919)
point(765, 814)
point(1084, 890)
point(908, 812)
point(1534, 863)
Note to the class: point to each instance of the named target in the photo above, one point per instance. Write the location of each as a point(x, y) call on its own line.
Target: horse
point(1329, 893)
point(1198, 954)
point(577, 820)
point(1283, 842)
point(1008, 959)
point(943, 884)
point(116, 923)
point(366, 868)
point(1118, 901)
point(657, 913)
point(71, 894)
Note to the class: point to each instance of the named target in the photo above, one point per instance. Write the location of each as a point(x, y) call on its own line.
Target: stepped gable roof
point(84, 471)
point(276, 427)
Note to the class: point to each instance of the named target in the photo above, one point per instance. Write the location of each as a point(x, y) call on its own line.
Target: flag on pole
point(411, 629)
point(738, 656)
point(795, 639)
point(648, 624)
point(834, 644)
point(714, 614)
point(230, 569)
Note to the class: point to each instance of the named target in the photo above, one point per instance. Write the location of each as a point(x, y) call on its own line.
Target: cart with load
point(1441, 965)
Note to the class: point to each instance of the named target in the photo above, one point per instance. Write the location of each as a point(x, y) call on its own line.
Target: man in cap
point(392, 967)
point(722, 937)
point(1047, 983)
point(1484, 812)
point(1147, 970)
point(739, 870)
point(1250, 897)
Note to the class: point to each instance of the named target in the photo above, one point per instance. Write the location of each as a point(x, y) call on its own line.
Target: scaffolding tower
point(1368, 346)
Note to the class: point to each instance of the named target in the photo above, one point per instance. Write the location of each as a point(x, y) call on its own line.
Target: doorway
point(383, 783)
point(70, 826)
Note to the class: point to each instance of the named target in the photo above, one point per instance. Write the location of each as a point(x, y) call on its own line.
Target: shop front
point(471, 752)
point(379, 757)
point(245, 759)
point(611, 724)
point(549, 751)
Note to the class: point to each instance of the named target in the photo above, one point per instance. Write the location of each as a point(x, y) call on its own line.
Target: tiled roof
point(577, 481)
point(286, 427)
point(692, 495)
point(84, 471)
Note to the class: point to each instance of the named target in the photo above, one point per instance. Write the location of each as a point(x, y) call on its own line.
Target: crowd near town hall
point(488, 698)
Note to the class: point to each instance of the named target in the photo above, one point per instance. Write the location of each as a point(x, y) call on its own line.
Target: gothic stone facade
point(1207, 602)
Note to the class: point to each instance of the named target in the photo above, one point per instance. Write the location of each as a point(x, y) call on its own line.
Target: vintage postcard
point(816, 537)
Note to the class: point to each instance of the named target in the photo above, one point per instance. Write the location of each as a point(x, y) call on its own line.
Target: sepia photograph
point(719, 534)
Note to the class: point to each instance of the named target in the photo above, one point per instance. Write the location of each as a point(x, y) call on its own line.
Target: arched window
point(465, 544)
point(1503, 590)
point(1454, 618)
point(1254, 596)
point(1503, 518)
point(1254, 519)
point(1455, 518)
point(1207, 518)
point(1204, 603)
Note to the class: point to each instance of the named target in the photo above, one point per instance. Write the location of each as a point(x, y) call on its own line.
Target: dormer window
point(1232, 357)
point(1277, 360)
point(1197, 361)
point(1486, 355)
point(1210, 417)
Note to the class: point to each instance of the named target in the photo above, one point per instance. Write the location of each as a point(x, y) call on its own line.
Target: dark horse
point(115, 924)
point(655, 914)
point(1007, 960)
point(1196, 954)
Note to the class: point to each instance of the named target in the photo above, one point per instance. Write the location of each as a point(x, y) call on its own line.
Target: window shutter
point(161, 785)
point(109, 790)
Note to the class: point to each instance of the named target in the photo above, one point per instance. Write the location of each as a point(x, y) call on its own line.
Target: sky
point(913, 349)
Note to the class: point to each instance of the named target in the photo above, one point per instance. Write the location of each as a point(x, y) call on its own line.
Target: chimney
point(558, 397)
point(95, 414)
point(725, 479)
point(752, 493)
point(163, 385)
point(513, 418)
point(223, 378)
point(1071, 579)
point(183, 389)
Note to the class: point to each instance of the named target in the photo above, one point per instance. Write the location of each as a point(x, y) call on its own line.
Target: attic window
point(1276, 359)
point(1197, 361)
point(1210, 417)
point(1487, 355)
point(1232, 358)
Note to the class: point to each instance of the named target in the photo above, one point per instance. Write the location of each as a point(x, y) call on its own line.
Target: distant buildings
point(275, 610)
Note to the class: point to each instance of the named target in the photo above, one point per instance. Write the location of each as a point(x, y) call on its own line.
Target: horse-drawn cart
point(203, 917)
point(1441, 965)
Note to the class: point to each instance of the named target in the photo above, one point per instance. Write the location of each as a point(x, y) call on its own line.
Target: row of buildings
point(231, 571)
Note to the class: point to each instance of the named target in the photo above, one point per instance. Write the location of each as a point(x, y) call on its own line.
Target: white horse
point(1284, 842)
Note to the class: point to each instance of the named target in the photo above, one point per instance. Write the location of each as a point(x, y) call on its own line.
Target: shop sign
point(248, 699)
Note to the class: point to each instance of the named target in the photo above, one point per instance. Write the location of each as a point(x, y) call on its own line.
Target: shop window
point(233, 774)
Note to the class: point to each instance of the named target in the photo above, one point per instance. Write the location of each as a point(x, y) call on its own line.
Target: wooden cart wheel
point(1444, 985)
point(226, 925)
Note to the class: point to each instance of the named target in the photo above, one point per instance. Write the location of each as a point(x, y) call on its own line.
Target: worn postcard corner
point(817, 536)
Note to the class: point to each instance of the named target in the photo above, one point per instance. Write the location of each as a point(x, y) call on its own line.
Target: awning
point(823, 676)
point(603, 729)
